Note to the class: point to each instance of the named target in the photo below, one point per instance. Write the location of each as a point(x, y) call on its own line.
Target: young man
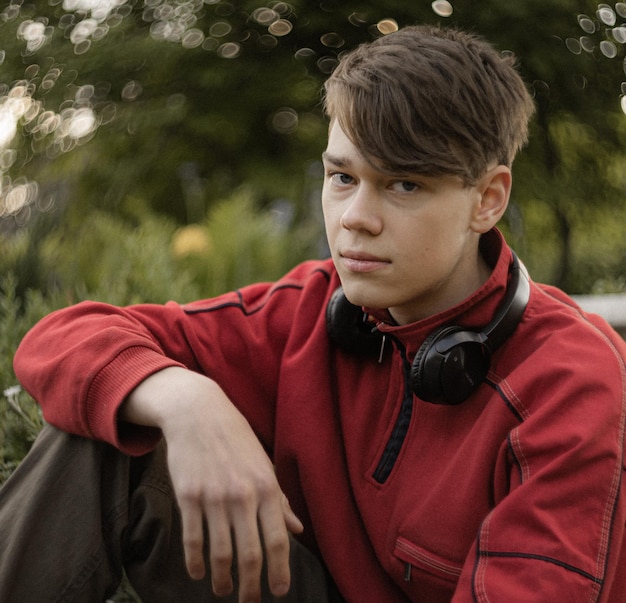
point(453, 432)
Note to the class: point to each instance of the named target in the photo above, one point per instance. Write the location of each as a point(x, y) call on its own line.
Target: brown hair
point(430, 101)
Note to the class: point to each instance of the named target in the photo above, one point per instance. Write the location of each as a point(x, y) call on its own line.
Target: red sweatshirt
point(513, 496)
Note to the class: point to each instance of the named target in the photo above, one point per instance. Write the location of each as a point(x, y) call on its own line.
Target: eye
point(405, 186)
point(340, 179)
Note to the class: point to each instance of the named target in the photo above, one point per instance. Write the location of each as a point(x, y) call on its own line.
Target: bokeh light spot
point(132, 90)
point(387, 26)
point(8, 127)
point(332, 40)
point(210, 44)
point(586, 24)
point(267, 41)
point(283, 8)
point(78, 123)
point(219, 29)
point(586, 44)
point(573, 45)
point(358, 19)
point(619, 34)
point(34, 33)
point(608, 49)
point(285, 120)
point(16, 196)
point(265, 16)
point(229, 50)
point(281, 27)
point(606, 14)
point(7, 159)
point(193, 38)
point(82, 47)
point(302, 54)
point(442, 8)
point(326, 64)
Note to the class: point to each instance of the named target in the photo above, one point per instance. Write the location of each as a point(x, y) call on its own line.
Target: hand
point(222, 476)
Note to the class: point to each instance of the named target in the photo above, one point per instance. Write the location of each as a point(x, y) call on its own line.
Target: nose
point(363, 212)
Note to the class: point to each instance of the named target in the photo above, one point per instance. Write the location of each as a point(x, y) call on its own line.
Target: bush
point(143, 259)
point(20, 418)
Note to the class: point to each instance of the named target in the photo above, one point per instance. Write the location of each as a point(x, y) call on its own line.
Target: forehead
point(341, 151)
point(338, 142)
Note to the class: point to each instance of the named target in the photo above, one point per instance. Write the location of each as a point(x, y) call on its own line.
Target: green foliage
point(149, 259)
point(244, 245)
point(106, 258)
point(109, 258)
point(192, 99)
point(20, 419)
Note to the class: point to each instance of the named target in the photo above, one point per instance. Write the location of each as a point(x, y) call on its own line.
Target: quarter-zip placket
point(401, 427)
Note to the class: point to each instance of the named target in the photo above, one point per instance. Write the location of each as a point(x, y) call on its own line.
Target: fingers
point(260, 532)
point(254, 530)
point(193, 538)
point(220, 551)
point(272, 521)
point(249, 560)
point(224, 481)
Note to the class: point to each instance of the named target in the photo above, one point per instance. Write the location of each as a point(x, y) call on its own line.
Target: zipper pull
point(382, 349)
point(407, 572)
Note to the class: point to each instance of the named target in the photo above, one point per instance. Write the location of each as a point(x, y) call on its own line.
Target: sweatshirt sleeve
point(556, 532)
point(81, 362)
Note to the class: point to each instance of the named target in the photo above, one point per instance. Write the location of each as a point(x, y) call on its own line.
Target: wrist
point(163, 396)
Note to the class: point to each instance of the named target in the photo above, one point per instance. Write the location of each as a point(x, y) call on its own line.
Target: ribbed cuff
point(110, 388)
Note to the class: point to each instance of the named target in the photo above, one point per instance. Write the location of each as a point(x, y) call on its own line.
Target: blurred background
point(170, 149)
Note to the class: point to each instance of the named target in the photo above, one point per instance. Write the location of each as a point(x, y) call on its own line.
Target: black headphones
point(452, 361)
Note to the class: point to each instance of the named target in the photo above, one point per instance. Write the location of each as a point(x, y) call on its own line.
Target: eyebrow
point(335, 160)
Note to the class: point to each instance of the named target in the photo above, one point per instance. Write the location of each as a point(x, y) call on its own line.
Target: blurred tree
point(171, 104)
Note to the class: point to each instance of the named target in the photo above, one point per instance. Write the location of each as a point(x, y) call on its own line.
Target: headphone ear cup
point(449, 365)
point(347, 326)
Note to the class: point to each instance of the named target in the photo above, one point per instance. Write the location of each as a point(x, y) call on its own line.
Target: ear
point(494, 190)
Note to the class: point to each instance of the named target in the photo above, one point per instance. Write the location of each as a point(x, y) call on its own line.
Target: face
point(402, 242)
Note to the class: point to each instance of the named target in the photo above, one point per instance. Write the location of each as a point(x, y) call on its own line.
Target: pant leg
point(57, 522)
point(75, 511)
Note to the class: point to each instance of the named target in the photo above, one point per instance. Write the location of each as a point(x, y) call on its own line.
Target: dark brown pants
point(77, 512)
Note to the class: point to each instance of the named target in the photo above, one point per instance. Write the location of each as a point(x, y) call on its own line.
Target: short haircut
point(431, 101)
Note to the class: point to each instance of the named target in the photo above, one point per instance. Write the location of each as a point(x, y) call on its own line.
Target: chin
point(364, 296)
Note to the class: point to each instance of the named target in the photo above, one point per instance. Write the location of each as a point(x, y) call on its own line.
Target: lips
point(358, 261)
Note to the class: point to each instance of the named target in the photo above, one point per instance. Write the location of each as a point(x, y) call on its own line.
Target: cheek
point(331, 224)
point(331, 214)
point(432, 241)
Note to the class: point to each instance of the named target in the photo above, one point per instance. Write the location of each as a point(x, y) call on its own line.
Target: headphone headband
point(510, 311)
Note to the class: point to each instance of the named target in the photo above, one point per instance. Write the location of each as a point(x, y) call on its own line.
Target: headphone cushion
point(449, 366)
point(348, 328)
point(427, 366)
